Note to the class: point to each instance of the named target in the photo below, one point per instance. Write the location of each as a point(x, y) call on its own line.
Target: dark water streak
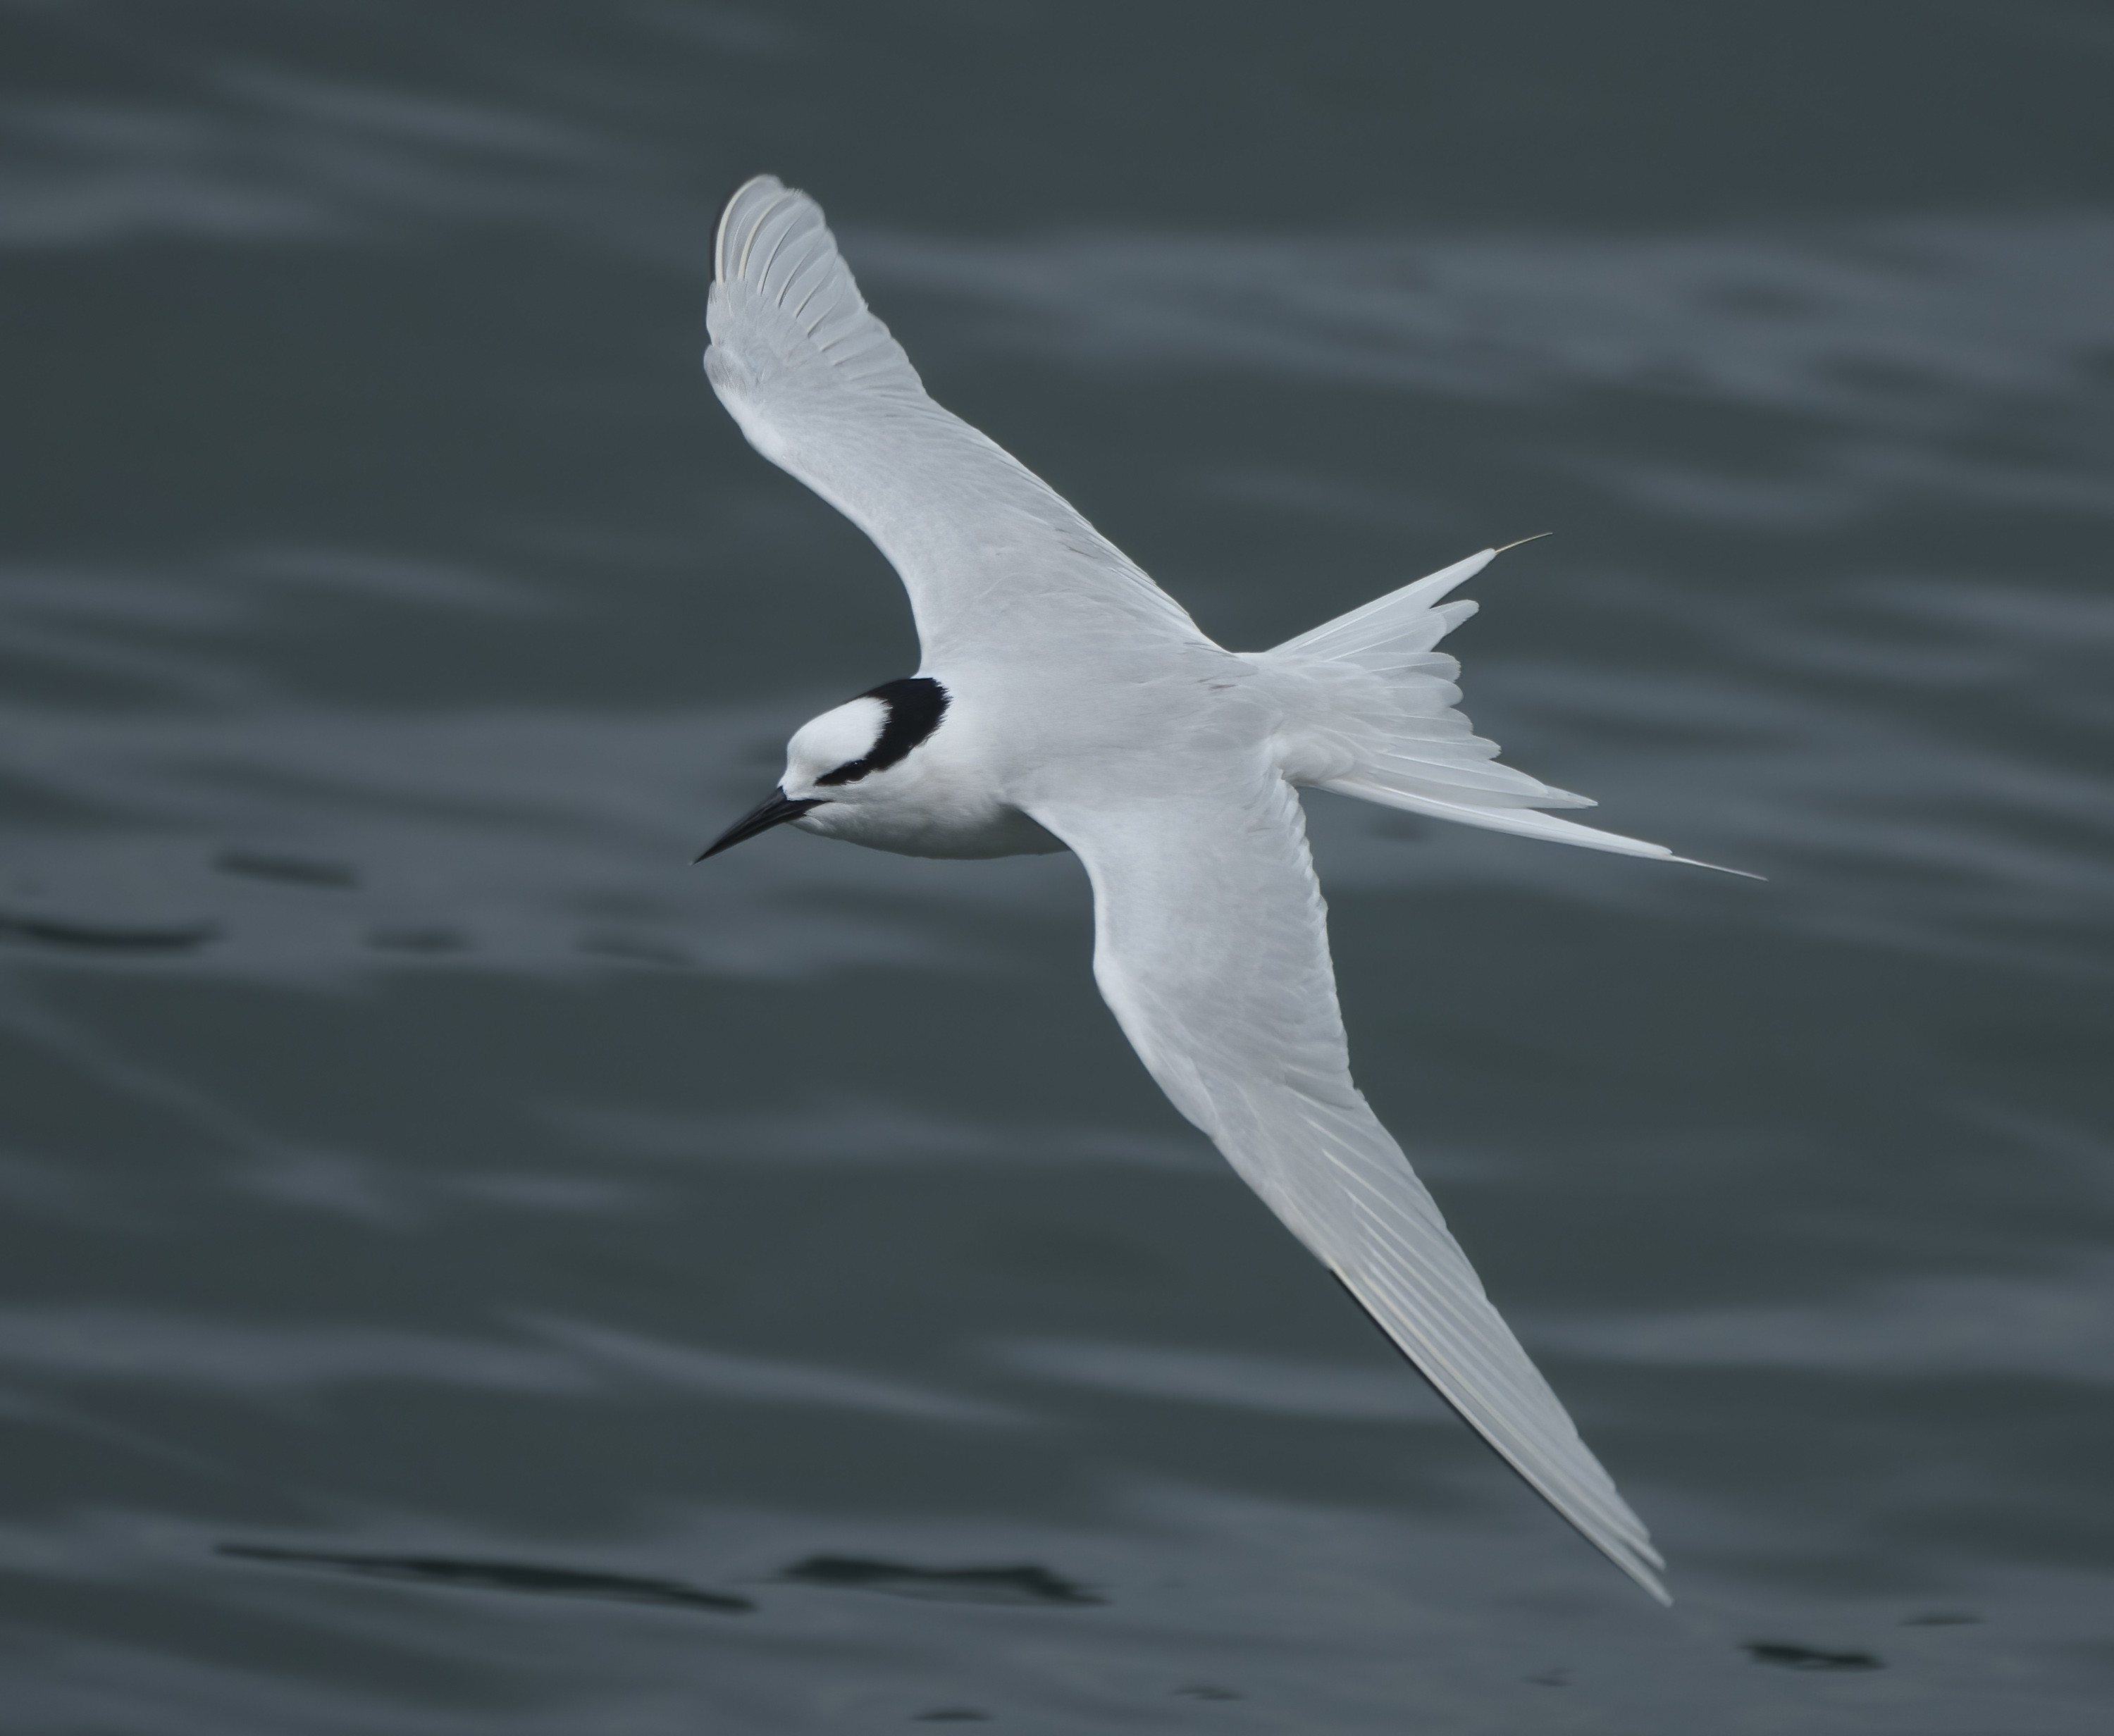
point(528, 1578)
point(1024, 1584)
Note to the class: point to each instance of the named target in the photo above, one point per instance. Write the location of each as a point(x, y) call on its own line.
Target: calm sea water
point(467, 1271)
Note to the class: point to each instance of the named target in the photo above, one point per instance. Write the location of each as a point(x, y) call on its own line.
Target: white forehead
point(823, 743)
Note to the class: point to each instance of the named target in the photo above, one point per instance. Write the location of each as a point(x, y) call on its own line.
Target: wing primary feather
point(787, 202)
point(821, 283)
point(1539, 1456)
point(756, 229)
point(761, 276)
point(1648, 1581)
point(719, 234)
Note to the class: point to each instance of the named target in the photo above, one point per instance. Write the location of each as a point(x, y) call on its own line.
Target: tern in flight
point(1066, 702)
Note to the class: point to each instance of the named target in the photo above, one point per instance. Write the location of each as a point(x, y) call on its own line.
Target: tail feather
point(1390, 700)
point(1405, 619)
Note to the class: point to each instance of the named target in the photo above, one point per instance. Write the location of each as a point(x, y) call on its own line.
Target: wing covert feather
point(998, 566)
point(1211, 948)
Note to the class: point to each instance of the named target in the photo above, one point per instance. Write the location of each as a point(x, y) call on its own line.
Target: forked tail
point(1389, 702)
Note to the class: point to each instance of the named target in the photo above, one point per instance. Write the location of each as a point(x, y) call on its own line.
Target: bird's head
point(844, 756)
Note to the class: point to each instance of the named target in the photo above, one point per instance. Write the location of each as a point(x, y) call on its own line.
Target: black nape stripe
point(915, 706)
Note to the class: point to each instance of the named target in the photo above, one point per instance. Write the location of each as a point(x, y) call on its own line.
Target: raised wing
point(998, 566)
point(1211, 948)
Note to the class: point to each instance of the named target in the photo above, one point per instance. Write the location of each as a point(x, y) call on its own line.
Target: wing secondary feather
point(1211, 948)
point(999, 566)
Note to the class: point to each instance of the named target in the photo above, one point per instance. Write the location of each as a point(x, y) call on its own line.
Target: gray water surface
point(468, 1271)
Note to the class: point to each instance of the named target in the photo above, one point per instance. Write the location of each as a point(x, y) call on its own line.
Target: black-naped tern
point(1066, 701)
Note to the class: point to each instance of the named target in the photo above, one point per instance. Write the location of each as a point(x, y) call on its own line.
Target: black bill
point(774, 811)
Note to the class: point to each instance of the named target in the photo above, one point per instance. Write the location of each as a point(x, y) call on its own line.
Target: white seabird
point(1065, 701)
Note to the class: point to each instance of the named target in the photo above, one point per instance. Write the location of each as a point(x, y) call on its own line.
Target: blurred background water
point(466, 1270)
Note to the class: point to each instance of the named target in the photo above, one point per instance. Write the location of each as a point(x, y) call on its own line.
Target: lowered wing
point(998, 566)
point(1211, 948)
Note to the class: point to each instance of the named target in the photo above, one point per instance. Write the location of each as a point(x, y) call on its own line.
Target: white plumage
point(1064, 701)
